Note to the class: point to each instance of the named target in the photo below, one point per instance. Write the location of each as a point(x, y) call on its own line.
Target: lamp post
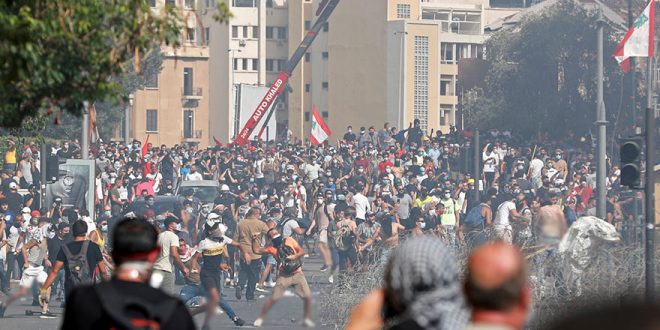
point(232, 99)
point(401, 78)
point(601, 122)
point(127, 119)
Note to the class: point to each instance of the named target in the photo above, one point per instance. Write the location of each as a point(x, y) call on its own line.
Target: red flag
point(638, 42)
point(320, 130)
point(217, 142)
point(145, 147)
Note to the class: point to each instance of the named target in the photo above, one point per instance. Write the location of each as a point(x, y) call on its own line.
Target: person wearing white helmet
point(213, 250)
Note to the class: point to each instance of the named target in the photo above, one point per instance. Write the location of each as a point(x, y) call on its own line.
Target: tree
point(542, 74)
point(58, 53)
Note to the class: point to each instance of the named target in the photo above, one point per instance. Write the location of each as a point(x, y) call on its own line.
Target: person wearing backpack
point(345, 238)
point(128, 301)
point(288, 254)
point(474, 224)
point(78, 259)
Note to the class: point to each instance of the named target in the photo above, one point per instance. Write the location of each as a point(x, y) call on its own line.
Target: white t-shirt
point(536, 165)
point(503, 214)
point(289, 226)
point(491, 164)
point(166, 240)
point(211, 246)
point(361, 204)
point(195, 176)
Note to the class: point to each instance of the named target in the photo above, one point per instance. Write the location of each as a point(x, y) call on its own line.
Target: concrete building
point(174, 105)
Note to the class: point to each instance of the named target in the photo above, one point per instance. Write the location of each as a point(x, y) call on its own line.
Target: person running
point(288, 254)
point(214, 255)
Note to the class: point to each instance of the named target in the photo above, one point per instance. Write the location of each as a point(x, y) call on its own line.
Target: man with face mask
point(288, 254)
point(559, 164)
point(451, 218)
point(168, 243)
point(54, 245)
point(135, 250)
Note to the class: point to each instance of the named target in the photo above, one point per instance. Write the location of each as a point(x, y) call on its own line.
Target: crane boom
point(276, 88)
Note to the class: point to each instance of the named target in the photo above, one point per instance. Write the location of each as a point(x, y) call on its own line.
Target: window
point(207, 35)
point(255, 32)
point(402, 11)
point(269, 65)
point(187, 81)
point(244, 3)
point(307, 116)
point(446, 86)
point(308, 57)
point(269, 32)
point(245, 64)
point(188, 124)
point(324, 114)
point(234, 31)
point(190, 34)
point(245, 32)
point(446, 53)
point(421, 81)
point(152, 120)
point(281, 64)
point(326, 27)
point(308, 24)
point(282, 33)
point(255, 64)
point(152, 3)
point(269, 3)
point(324, 85)
point(190, 4)
point(325, 55)
point(170, 2)
point(308, 88)
point(235, 64)
point(151, 79)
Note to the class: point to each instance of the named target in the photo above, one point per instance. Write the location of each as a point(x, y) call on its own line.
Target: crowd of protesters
point(278, 202)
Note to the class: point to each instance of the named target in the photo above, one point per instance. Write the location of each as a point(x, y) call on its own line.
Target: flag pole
point(649, 185)
point(601, 122)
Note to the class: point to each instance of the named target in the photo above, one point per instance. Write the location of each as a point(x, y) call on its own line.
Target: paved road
point(286, 314)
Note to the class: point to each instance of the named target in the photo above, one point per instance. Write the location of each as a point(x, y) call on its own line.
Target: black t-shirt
point(14, 201)
point(94, 256)
point(54, 246)
point(84, 309)
point(224, 199)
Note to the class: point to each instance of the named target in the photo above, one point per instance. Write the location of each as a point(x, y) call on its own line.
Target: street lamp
point(232, 100)
point(127, 119)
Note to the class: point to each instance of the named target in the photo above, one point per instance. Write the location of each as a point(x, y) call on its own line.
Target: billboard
point(249, 97)
point(74, 185)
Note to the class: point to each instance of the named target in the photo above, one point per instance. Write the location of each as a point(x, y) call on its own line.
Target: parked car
point(204, 190)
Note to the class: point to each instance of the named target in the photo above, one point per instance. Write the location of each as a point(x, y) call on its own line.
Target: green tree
point(58, 53)
point(542, 74)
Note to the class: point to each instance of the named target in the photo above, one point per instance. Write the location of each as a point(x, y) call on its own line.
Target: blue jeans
point(190, 291)
point(4, 280)
point(58, 280)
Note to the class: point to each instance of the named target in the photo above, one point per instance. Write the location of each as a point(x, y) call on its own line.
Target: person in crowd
point(250, 261)
point(496, 288)
point(421, 291)
point(168, 243)
point(288, 254)
point(128, 298)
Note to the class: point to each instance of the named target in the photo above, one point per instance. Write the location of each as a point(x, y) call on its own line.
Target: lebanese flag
point(145, 146)
point(320, 131)
point(638, 42)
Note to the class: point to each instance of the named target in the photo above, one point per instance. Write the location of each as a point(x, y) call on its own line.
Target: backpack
point(474, 218)
point(78, 265)
point(116, 308)
point(343, 238)
point(287, 266)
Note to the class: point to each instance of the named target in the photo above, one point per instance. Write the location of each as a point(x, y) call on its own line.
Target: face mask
point(216, 234)
point(189, 209)
point(277, 241)
point(431, 212)
point(319, 200)
point(104, 228)
point(447, 195)
point(558, 157)
point(34, 221)
point(422, 225)
point(360, 170)
point(388, 170)
point(178, 227)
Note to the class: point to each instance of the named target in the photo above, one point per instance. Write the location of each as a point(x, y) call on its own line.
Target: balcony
point(189, 94)
point(191, 135)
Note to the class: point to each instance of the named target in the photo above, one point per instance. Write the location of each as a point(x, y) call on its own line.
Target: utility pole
point(400, 115)
point(649, 185)
point(84, 145)
point(601, 122)
point(633, 86)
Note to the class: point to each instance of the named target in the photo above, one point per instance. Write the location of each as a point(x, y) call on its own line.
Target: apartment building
point(173, 107)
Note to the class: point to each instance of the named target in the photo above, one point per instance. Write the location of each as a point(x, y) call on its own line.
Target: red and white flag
point(638, 42)
point(320, 130)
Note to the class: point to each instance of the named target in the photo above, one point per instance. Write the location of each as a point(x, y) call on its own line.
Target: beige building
point(174, 106)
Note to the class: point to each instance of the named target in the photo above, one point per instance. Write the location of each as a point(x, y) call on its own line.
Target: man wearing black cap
point(168, 242)
point(128, 300)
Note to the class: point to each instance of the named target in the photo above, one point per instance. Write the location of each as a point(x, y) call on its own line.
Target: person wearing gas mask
point(214, 253)
point(288, 254)
point(168, 243)
point(122, 302)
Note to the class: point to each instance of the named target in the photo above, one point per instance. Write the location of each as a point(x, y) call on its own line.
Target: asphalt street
point(286, 314)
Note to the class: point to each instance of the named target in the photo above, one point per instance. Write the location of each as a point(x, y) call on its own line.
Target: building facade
point(173, 107)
